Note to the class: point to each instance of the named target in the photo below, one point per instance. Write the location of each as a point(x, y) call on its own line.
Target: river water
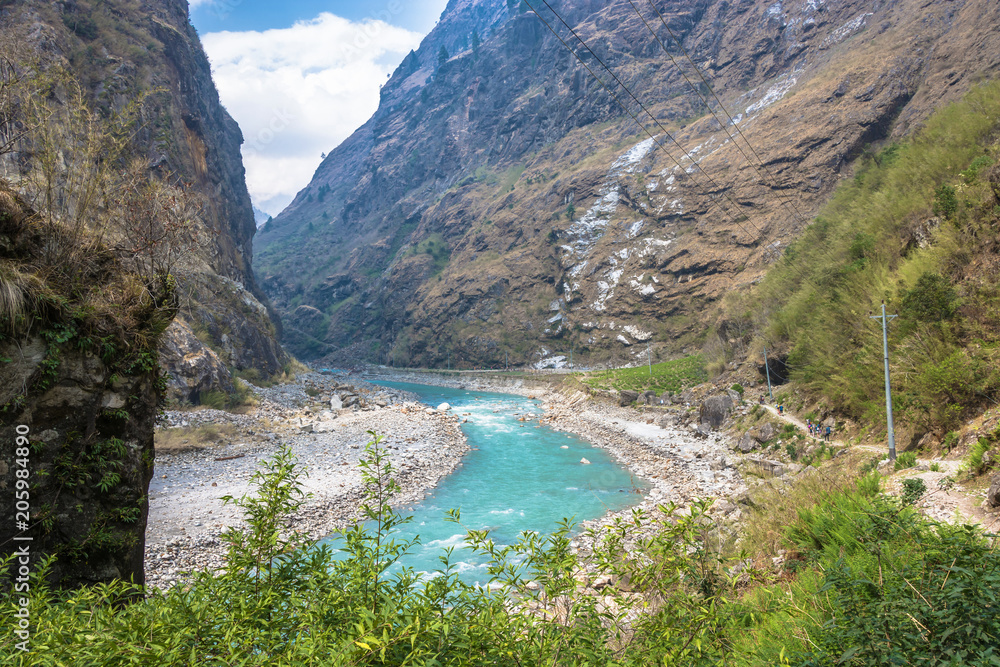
point(516, 478)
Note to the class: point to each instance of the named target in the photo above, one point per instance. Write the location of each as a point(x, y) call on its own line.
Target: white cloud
point(300, 91)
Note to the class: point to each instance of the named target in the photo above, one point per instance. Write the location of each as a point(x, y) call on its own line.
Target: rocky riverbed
point(679, 458)
point(324, 420)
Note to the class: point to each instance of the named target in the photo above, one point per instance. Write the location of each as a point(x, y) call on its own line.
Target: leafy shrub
point(979, 461)
point(945, 201)
point(905, 460)
point(738, 388)
point(950, 440)
point(935, 467)
point(215, 399)
point(977, 166)
point(932, 299)
point(913, 489)
point(935, 606)
point(793, 453)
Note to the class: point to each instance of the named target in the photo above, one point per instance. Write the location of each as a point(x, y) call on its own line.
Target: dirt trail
point(941, 502)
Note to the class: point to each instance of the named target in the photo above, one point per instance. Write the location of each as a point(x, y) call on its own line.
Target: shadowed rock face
point(558, 220)
point(117, 49)
point(79, 394)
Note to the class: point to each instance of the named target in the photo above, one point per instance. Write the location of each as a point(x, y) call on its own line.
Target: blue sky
point(300, 76)
point(241, 15)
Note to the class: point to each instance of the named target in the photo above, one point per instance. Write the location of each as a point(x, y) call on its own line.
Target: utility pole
point(506, 361)
point(649, 356)
point(571, 357)
point(767, 372)
point(888, 391)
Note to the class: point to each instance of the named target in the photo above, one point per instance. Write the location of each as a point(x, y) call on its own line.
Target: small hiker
point(781, 409)
point(828, 434)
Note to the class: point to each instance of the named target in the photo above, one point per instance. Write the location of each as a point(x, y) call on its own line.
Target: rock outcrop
point(117, 50)
point(79, 393)
point(993, 493)
point(192, 367)
point(714, 410)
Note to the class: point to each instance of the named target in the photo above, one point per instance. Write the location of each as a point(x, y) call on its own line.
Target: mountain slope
point(500, 200)
point(124, 53)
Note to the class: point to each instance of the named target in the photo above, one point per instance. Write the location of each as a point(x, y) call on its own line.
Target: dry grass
point(776, 504)
point(176, 440)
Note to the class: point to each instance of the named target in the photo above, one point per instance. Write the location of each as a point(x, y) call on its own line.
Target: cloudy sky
point(300, 76)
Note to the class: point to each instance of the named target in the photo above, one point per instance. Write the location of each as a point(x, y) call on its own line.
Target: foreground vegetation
point(864, 581)
point(918, 228)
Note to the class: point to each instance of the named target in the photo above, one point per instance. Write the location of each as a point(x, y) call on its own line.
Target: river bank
point(662, 447)
point(187, 518)
point(186, 515)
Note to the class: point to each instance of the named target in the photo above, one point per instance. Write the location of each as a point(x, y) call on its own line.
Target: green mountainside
point(918, 228)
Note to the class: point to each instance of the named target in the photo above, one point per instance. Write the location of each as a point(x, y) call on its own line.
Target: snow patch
point(637, 333)
point(776, 92)
point(843, 32)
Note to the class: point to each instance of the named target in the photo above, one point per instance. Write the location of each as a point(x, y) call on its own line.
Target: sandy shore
point(187, 517)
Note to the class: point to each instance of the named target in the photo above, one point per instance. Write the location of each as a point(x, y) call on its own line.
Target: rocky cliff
point(501, 201)
point(80, 388)
point(121, 52)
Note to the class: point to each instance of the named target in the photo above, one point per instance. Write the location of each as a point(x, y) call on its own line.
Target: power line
point(680, 45)
point(702, 97)
point(648, 113)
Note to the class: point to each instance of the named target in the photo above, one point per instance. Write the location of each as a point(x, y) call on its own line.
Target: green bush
point(913, 490)
point(738, 388)
point(285, 600)
point(977, 461)
point(905, 460)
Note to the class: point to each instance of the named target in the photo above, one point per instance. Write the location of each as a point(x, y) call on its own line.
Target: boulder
point(627, 397)
point(747, 443)
point(336, 403)
point(766, 432)
point(191, 367)
point(349, 400)
point(993, 494)
point(714, 410)
point(649, 397)
point(584, 461)
point(773, 468)
point(444, 407)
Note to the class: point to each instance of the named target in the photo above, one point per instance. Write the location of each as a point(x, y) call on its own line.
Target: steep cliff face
point(122, 51)
point(501, 200)
point(79, 392)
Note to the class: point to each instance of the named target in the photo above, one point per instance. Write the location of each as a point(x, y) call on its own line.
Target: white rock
point(564, 447)
point(584, 461)
point(444, 407)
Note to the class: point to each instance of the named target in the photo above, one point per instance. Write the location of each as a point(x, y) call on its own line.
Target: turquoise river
point(516, 478)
